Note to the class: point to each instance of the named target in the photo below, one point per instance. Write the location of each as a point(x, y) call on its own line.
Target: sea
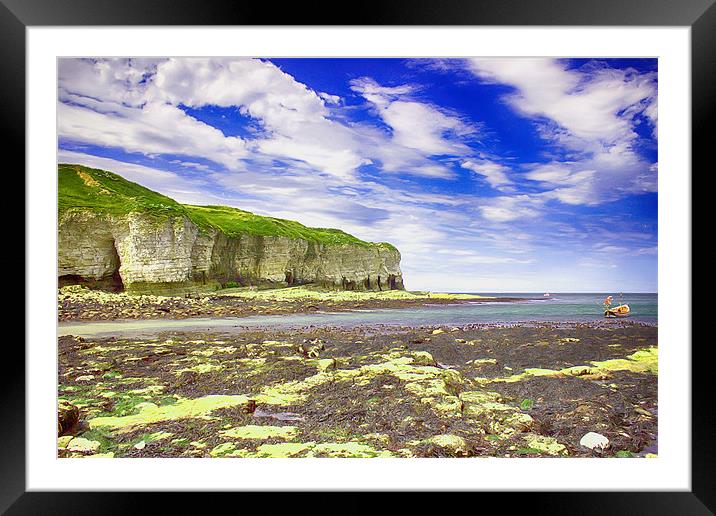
point(529, 307)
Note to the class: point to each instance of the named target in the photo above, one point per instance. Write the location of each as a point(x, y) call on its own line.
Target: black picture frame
point(17, 15)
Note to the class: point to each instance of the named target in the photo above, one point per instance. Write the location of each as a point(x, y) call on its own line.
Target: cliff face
point(143, 252)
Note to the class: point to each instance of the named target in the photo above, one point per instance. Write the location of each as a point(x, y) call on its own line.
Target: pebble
point(594, 440)
point(80, 444)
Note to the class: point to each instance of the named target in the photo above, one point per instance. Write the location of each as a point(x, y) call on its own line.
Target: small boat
point(617, 311)
point(546, 294)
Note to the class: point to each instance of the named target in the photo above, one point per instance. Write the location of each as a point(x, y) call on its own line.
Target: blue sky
point(489, 174)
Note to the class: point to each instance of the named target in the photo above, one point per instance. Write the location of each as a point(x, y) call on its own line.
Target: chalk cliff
point(115, 232)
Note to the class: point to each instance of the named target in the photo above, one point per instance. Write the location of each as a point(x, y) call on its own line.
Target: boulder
point(423, 358)
point(82, 445)
point(451, 442)
point(67, 416)
point(593, 440)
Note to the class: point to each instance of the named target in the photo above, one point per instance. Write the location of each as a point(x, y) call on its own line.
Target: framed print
point(420, 252)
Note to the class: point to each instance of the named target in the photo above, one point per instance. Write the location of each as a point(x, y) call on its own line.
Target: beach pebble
point(80, 444)
point(438, 331)
point(62, 442)
point(594, 440)
point(450, 442)
point(423, 358)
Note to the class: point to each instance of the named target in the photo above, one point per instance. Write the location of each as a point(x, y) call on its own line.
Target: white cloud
point(137, 105)
point(587, 104)
point(425, 129)
point(510, 208)
point(494, 173)
point(653, 250)
point(610, 249)
point(471, 257)
point(113, 82)
point(590, 112)
point(152, 129)
point(260, 88)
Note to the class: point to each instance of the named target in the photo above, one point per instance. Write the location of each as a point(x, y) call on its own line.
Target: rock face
point(143, 252)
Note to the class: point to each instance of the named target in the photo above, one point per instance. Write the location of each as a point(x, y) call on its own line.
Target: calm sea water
point(532, 307)
point(566, 307)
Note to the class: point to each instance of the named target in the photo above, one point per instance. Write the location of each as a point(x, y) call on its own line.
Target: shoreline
point(239, 324)
point(82, 304)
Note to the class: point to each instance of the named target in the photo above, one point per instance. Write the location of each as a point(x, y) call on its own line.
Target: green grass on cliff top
point(81, 187)
point(232, 222)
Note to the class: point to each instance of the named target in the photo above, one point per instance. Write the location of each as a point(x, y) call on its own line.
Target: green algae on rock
point(261, 432)
point(452, 442)
point(80, 444)
point(385, 394)
point(350, 449)
point(547, 445)
point(151, 413)
point(282, 450)
point(222, 449)
point(642, 361)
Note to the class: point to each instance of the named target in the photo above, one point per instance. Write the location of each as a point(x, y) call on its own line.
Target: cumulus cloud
point(587, 103)
point(152, 129)
point(415, 124)
point(418, 129)
point(139, 106)
point(591, 113)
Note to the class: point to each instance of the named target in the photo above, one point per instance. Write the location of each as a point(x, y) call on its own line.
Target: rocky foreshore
point(83, 304)
point(520, 391)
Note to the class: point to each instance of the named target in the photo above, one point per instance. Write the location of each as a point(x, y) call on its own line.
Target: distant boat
point(546, 294)
point(617, 311)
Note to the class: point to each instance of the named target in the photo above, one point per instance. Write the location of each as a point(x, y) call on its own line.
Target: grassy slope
point(99, 190)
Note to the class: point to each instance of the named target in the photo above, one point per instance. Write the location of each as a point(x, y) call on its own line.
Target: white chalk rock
point(594, 440)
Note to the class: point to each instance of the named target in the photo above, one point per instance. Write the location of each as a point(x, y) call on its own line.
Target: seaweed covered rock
point(68, 416)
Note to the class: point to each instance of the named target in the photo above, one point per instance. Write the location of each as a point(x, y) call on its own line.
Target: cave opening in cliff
point(115, 280)
point(110, 278)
